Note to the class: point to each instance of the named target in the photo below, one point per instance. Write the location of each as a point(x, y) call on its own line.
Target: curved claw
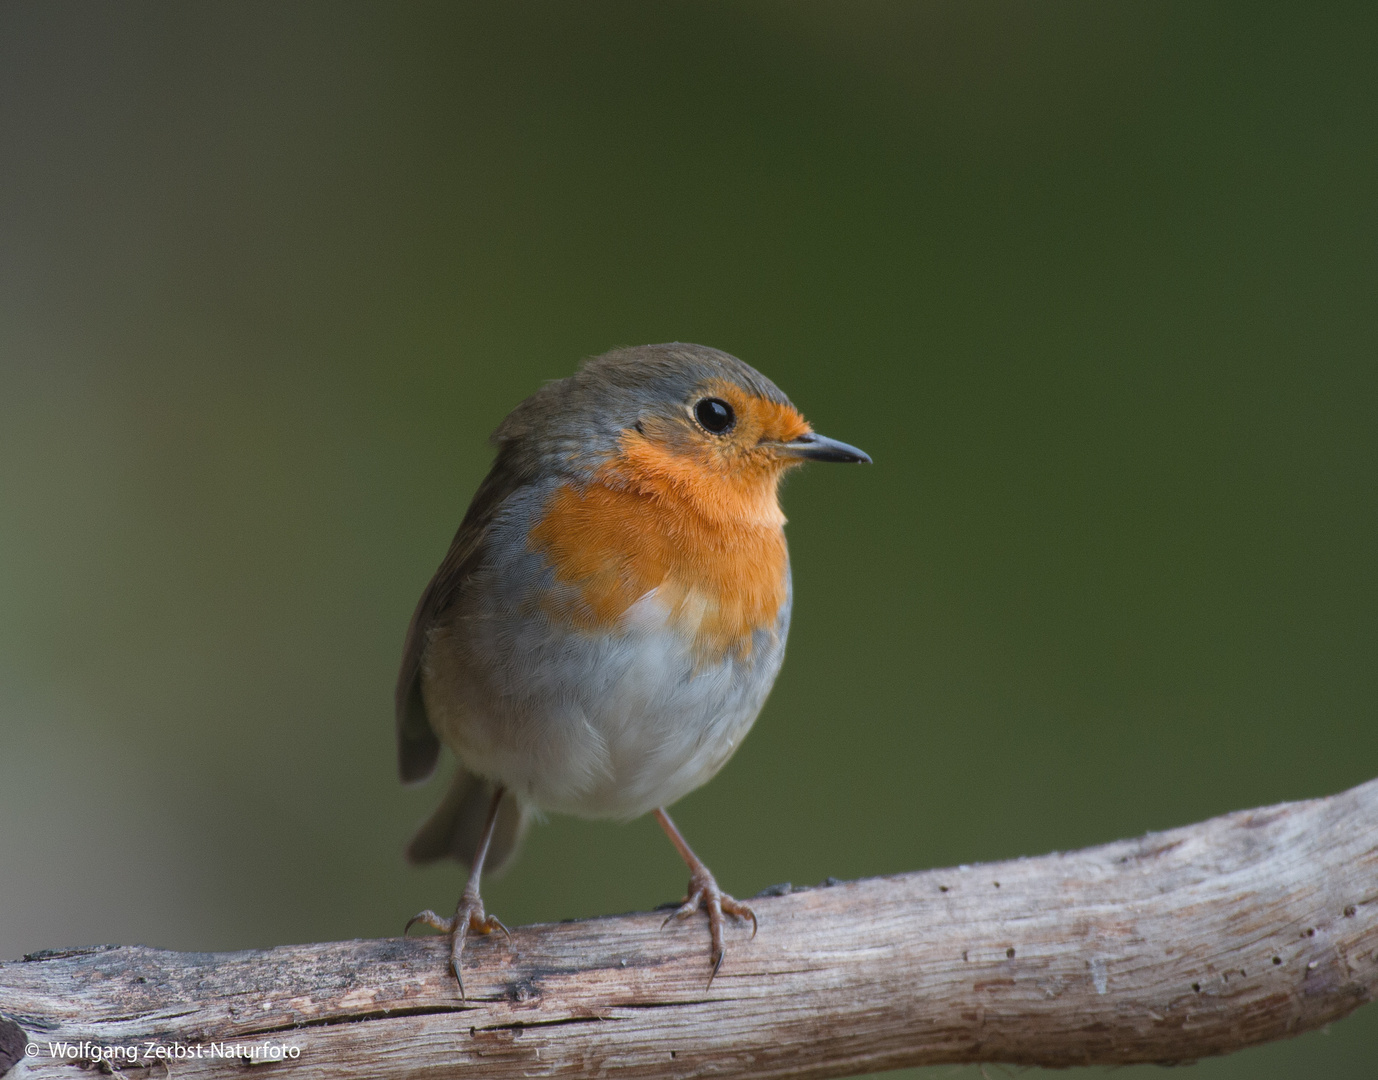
point(491, 923)
point(456, 947)
point(693, 903)
point(717, 963)
point(738, 910)
point(431, 919)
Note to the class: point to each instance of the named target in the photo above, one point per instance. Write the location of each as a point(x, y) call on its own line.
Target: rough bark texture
point(1203, 940)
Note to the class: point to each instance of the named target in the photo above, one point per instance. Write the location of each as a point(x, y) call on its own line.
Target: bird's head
point(684, 418)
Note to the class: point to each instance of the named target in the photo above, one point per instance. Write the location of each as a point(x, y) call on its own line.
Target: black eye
point(715, 415)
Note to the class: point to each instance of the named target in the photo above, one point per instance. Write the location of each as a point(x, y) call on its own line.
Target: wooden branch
point(1203, 940)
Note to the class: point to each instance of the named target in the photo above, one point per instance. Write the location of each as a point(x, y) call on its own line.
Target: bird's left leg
point(469, 915)
point(704, 894)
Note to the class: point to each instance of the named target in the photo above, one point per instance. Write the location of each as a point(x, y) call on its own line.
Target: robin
point(611, 614)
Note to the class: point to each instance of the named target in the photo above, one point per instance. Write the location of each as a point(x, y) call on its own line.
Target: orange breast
point(713, 547)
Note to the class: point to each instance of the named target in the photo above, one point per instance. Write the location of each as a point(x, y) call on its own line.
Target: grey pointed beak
point(815, 447)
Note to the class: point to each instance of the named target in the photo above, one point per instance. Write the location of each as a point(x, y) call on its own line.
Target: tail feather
point(453, 830)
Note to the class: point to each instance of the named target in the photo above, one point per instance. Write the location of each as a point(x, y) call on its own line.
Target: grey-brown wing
point(418, 746)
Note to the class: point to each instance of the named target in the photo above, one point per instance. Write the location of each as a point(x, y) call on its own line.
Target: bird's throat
point(710, 548)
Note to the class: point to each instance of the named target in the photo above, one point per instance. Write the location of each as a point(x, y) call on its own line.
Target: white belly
point(592, 723)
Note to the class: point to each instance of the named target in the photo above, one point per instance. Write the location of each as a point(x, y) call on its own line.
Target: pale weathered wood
point(1203, 940)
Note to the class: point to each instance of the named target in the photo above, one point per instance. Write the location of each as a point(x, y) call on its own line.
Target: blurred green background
point(1096, 284)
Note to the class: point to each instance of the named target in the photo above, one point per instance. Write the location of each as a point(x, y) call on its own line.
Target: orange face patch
point(696, 518)
point(751, 446)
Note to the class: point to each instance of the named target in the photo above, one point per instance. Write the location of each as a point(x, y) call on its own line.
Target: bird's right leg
point(469, 916)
